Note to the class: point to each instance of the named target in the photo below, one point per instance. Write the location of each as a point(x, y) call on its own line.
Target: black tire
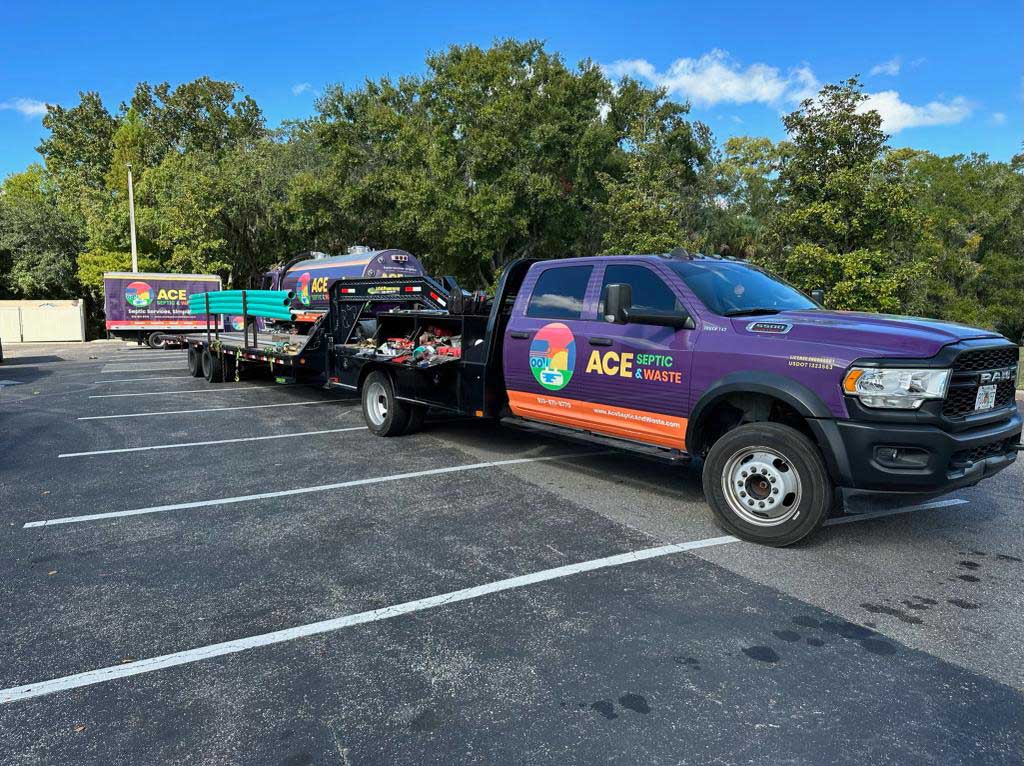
point(213, 371)
point(156, 341)
point(383, 413)
point(417, 413)
point(195, 362)
point(752, 471)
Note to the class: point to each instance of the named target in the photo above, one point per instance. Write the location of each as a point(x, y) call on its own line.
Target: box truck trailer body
point(153, 308)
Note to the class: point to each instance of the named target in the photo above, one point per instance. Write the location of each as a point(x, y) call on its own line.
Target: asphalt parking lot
point(187, 579)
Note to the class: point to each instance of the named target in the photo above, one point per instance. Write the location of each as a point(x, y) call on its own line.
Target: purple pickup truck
point(790, 406)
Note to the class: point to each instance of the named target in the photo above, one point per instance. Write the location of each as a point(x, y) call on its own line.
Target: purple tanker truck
point(790, 407)
point(310, 274)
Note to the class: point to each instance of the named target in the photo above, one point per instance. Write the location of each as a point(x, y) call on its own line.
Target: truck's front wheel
point(385, 415)
point(767, 483)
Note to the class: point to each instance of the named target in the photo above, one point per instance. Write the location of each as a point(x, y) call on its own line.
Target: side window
point(650, 293)
point(559, 293)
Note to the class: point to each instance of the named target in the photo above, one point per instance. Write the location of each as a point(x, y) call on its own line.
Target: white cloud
point(300, 88)
point(998, 118)
point(897, 114)
point(890, 67)
point(29, 107)
point(716, 77)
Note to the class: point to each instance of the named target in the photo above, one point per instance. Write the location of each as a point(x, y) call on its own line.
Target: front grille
point(986, 359)
point(967, 457)
point(963, 388)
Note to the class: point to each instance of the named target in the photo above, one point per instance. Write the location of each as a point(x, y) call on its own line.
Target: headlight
point(902, 389)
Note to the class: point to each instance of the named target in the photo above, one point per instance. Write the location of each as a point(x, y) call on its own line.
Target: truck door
point(642, 370)
point(565, 364)
point(543, 344)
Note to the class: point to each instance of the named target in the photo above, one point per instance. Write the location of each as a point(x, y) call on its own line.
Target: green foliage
point(650, 207)
point(93, 263)
point(507, 152)
point(38, 239)
point(845, 219)
point(859, 280)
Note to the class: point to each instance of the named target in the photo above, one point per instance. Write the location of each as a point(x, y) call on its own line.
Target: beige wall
point(34, 321)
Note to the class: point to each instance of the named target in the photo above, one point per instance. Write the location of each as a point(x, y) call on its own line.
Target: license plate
point(986, 398)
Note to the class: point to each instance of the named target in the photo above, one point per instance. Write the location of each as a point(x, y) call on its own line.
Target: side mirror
point(818, 295)
point(617, 301)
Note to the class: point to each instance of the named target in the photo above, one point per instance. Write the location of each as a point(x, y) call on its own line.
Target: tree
point(846, 221)
point(225, 215)
point(749, 196)
point(204, 115)
point(38, 239)
point(651, 207)
point(78, 149)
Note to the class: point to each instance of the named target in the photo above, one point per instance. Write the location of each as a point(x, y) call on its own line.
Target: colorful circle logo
point(138, 294)
point(237, 323)
point(302, 289)
point(553, 356)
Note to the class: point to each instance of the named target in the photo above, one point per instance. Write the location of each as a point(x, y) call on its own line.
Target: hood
point(878, 335)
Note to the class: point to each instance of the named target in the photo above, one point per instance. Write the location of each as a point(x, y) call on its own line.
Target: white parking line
point(211, 409)
point(139, 667)
point(108, 369)
point(216, 390)
point(151, 377)
point(204, 444)
point(28, 691)
point(303, 490)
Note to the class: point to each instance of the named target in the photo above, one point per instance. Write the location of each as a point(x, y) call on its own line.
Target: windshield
point(738, 289)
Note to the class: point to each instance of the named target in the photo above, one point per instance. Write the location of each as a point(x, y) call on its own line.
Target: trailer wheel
point(195, 362)
point(767, 483)
point(213, 371)
point(156, 340)
point(384, 414)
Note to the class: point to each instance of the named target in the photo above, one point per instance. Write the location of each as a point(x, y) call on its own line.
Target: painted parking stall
point(417, 589)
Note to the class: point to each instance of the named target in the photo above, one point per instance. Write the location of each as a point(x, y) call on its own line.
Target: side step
point(658, 453)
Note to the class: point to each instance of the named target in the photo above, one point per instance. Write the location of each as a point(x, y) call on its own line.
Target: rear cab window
point(559, 293)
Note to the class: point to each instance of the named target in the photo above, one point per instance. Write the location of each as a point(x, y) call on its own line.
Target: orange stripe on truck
point(612, 420)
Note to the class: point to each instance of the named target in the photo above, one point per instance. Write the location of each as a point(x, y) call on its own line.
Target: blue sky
point(945, 75)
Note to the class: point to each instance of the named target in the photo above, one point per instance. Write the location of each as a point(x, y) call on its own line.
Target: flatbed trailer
point(307, 355)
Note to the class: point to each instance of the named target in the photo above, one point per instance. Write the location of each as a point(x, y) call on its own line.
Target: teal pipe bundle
point(272, 312)
point(254, 304)
point(276, 297)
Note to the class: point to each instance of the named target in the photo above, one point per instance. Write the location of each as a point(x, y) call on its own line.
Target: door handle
point(600, 341)
point(520, 335)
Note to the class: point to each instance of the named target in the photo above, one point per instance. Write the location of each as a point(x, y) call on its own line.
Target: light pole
point(131, 218)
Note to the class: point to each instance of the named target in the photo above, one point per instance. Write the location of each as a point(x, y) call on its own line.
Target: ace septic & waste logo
point(138, 294)
point(553, 356)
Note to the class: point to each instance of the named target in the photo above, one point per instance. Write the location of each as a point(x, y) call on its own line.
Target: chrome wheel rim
point(377, 403)
point(761, 486)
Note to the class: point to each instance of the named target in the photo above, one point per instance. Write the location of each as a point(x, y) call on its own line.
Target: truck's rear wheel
point(156, 340)
point(195, 362)
point(212, 368)
point(384, 414)
point(767, 483)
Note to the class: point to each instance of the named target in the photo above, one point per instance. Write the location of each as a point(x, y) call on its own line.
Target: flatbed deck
point(266, 345)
